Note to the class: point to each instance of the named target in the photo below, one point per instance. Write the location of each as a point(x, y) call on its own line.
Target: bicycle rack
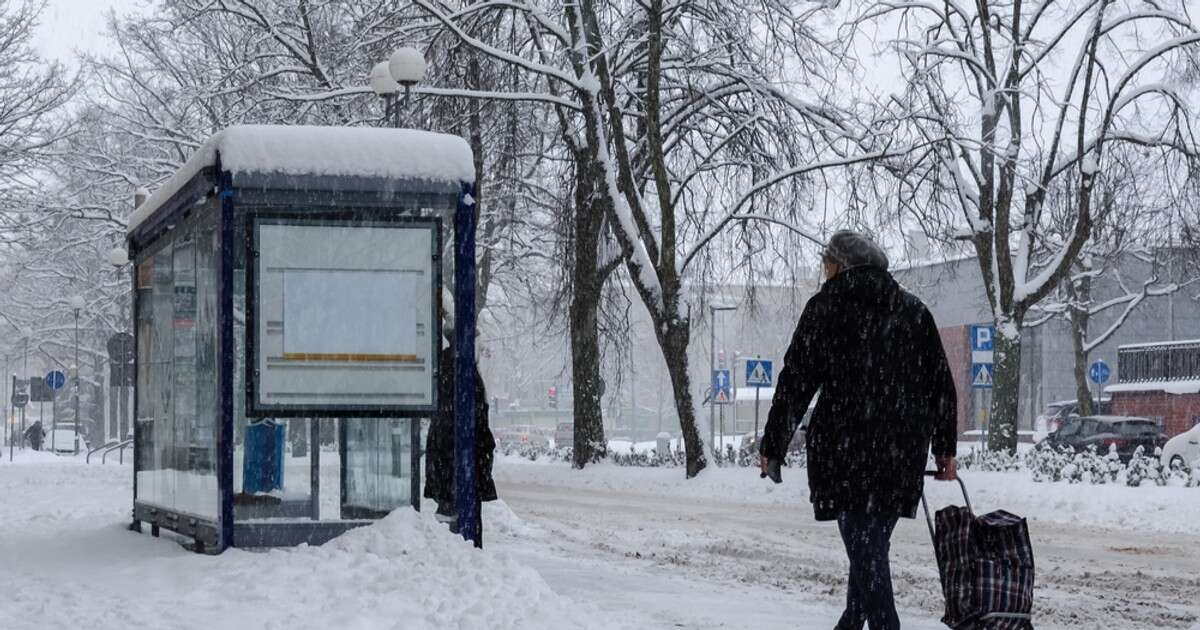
point(88, 459)
point(108, 448)
point(120, 448)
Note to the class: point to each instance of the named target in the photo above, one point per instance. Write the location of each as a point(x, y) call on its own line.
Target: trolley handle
point(925, 503)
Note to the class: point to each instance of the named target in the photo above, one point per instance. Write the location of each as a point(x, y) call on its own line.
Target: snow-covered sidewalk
point(1116, 506)
point(606, 547)
point(67, 561)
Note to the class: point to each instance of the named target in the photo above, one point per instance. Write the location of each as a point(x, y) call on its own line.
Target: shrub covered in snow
point(990, 461)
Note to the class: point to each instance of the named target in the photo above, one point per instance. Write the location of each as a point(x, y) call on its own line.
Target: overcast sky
point(70, 25)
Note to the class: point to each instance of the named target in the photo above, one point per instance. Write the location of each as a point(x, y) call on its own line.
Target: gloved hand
point(771, 468)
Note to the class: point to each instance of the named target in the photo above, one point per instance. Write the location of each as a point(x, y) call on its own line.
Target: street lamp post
point(385, 87)
point(25, 369)
point(712, 368)
point(77, 303)
point(405, 68)
point(118, 257)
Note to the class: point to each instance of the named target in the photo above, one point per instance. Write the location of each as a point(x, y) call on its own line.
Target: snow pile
point(322, 151)
point(409, 570)
point(68, 561)
point(500, 519)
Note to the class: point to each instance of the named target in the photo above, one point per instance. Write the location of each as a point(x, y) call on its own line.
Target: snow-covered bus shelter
point(287, 290)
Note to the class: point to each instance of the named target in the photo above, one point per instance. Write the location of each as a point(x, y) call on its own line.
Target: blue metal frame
point(225, 284)
point(465, 486)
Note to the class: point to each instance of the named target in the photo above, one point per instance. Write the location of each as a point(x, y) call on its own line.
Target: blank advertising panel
point(344, 317)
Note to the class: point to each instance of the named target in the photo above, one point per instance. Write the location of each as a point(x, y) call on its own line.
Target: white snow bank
point(1162, 509)
point(68, 560)
point(311, 150)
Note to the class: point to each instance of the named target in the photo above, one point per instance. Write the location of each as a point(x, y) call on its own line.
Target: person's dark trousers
point(869, 597)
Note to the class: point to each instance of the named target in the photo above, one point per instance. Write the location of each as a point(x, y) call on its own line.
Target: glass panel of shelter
point(377, 474)
point(272, 474)
point(176, 319)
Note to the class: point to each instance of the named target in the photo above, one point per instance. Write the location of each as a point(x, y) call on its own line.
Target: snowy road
point(605, 548)
point(736, 561)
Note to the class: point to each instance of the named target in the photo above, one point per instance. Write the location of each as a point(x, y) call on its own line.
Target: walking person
point(35, 435)
point(872, 351)
point(439, 446)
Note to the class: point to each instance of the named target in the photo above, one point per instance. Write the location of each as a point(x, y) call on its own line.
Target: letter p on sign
point(981, 338)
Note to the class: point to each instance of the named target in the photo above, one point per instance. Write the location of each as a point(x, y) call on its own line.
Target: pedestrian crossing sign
point(758, 373)
point(981, 375)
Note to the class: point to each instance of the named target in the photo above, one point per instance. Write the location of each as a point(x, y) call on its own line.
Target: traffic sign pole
point(756, 394)
point(1099, 373)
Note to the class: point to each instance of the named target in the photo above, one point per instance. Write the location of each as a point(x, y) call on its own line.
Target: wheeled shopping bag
point(986, 567)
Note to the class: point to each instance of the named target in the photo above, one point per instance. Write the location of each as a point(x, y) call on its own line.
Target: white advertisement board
point(343, 317)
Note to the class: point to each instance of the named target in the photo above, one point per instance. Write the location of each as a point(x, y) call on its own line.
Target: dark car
point(1057, 412)
point(1125, 432)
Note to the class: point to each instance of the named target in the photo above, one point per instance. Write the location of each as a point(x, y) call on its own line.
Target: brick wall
point(956, 341)
point(1177, 411)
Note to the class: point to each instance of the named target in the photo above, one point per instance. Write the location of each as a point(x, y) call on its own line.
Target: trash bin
point(262, 466)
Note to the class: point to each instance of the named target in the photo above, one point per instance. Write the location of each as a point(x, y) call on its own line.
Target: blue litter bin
point(262, 466)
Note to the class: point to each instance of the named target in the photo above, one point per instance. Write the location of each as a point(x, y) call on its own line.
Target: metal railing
point(108, 448)
point(1159, 362)
point(120, 448)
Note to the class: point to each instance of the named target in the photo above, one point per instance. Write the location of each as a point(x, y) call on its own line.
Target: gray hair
point(852, 249)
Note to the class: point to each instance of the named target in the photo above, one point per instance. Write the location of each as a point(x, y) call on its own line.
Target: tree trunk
point(673, 339)
point(1006, 384)
point(1080, 299)
point(587, 282)
point(589, 444)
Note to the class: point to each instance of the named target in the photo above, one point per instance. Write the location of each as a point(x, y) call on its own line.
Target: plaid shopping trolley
point(986, 566)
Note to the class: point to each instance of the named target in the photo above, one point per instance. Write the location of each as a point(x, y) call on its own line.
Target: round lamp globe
point(407, 66)
point(381, 80)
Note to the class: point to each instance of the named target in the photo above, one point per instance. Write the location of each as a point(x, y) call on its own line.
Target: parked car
point(1125, 432)
point(1057, 412)
point(1183, 448)
point(564, 435)
point(750, 441)
point(61, 440)
point(519, 435)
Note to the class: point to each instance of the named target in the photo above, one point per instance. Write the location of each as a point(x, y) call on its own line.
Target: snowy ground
point(608, 547)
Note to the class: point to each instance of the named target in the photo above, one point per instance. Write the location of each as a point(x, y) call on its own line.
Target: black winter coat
point(439, 445)
point(873, 351)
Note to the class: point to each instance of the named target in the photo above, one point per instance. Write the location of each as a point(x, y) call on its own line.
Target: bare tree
point(1020, 101)
point(678, 124)
point(1135, 253)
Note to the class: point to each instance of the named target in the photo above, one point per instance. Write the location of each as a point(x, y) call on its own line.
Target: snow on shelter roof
point(322, 151)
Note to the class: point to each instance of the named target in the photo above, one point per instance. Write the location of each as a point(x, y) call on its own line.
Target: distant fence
point(1159, 362)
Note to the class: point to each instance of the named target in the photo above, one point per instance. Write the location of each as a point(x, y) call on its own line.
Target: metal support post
point(712, 367)
point(75, 387)
point(466, 491)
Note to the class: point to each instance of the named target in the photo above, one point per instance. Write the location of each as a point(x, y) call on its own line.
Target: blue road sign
point(758, 372)
point(981, 375)
point(55, 379)
point(981, 338)
point(1099, 372)
point(721, 387)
